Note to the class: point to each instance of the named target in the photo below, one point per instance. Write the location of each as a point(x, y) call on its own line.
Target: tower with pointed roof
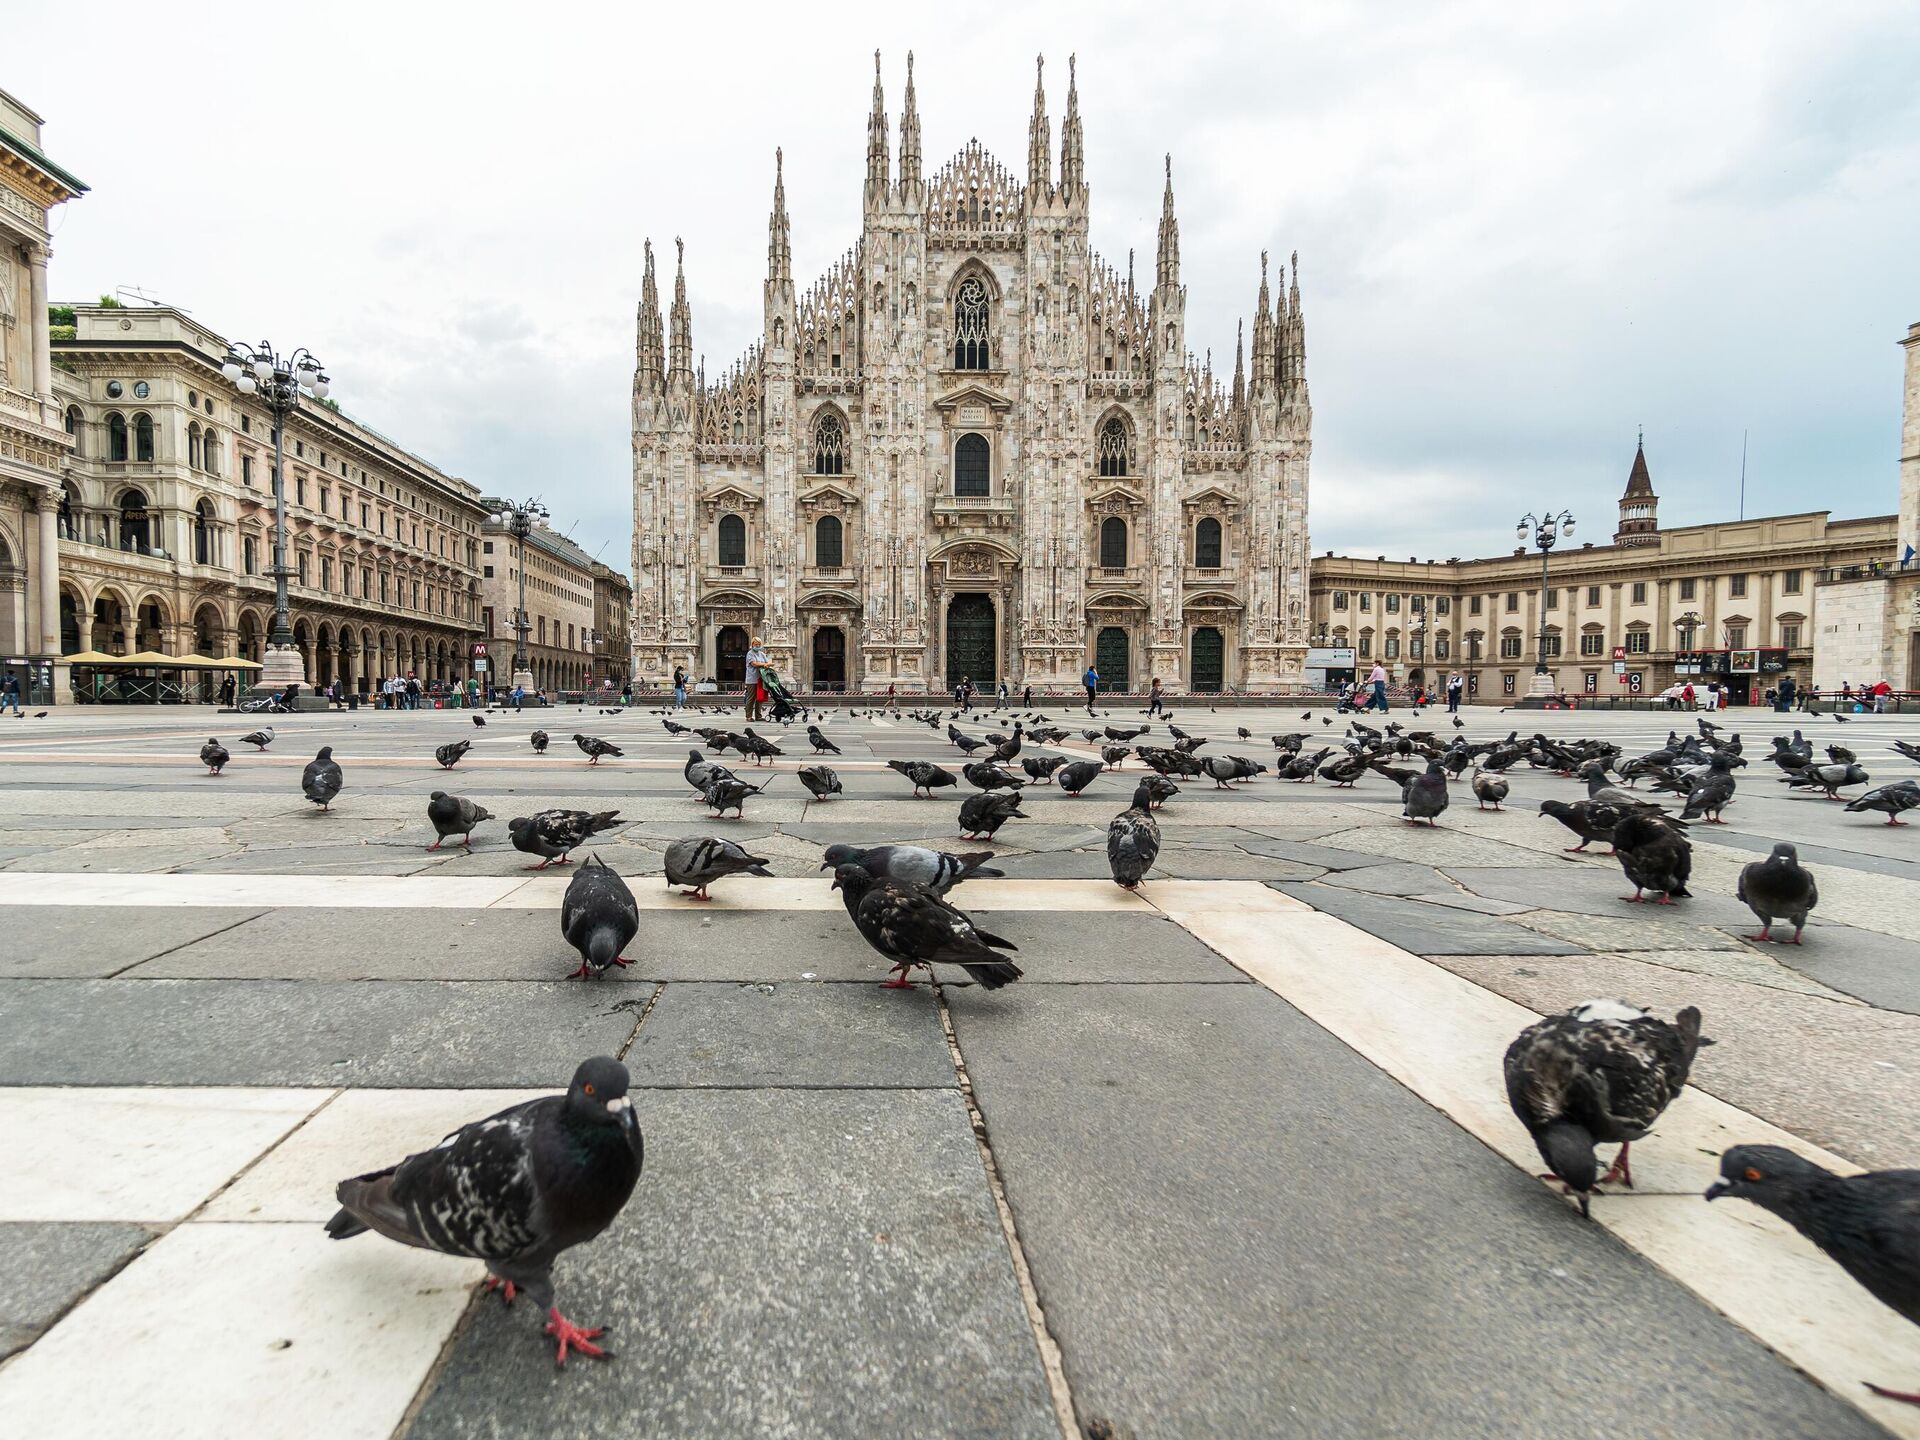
point(1639, 506)
point(973, 447)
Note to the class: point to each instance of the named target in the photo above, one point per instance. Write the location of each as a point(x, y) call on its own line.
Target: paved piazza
point(1234, 1158)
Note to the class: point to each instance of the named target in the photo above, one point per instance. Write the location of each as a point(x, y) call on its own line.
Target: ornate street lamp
point(277, 381)
point(1686, 625)
point(519, 516)
point(1546, 534)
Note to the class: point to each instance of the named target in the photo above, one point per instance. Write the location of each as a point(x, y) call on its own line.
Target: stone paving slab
point(1427, 929)
point(49, 1266)
point(793, 1263)
point(1879, 969)
point(1822, 1070)
point(1358, 1294)
point(272, 1032)
point(95, 944)
point(792, 1034)
point(1395, 878)
point(397, 944)
point(1592, 886)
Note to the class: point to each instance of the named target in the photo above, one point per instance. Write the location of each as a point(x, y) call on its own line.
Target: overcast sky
point(1523, 232)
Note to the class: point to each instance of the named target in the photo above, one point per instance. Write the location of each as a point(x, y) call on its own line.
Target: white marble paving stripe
point(515, 892)
point(1443, 1037)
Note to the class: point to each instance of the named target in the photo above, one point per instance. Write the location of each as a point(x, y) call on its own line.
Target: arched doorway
point(829, 658)
point(970, 647)
point(1110, 658)
point(730, 656)
point(1209, 659)
point(70, 641)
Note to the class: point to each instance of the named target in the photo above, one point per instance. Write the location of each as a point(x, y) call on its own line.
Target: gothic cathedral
point(973, 448)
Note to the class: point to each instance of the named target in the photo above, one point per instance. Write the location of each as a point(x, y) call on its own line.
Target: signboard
point(1593, 681)
point(1633, 682)
point(480, 665)
point(1743, 662)
point(1619, 653)
point(479, 649)
point(1330, 658)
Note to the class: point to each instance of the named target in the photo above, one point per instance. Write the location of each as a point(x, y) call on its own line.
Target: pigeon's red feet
point(1796, 938)
point(1666, 899)
point(572, 1337)
point(507, 1287)
point(622, 961)
point(1761, 938)
point(1893, 820)
point(700, 894)
point(582, 973)
point(435, 846)
point(541, 866)
point(1633, 899)
point(1620, 1173)
point(899, 982)
point(1576, 849)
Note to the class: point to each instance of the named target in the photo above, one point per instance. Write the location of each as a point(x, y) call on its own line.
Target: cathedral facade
point(973, 448)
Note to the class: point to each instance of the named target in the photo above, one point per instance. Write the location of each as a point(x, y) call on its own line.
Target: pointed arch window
point(1206, 544)
point(733, 540)
point(826, 542)
point(829, 445)
point(1114, 447)
point(1113, 543)
point(971, 348)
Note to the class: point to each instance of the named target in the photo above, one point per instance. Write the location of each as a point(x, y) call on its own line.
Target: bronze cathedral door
point(970, 649)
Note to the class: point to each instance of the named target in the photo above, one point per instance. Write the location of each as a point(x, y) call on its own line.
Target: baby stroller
point(783, 708)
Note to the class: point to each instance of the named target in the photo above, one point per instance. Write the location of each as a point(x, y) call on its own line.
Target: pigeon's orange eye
point(1752, 1174)
point(588, 1087)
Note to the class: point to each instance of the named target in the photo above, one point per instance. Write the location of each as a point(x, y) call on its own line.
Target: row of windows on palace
point(132, 441)
point(538, 581)
point(1515, 646)
point(730, 543)
point(1792, 582)
point(539, 632)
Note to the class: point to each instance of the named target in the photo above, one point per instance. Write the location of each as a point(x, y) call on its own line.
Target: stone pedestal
point(1540, 686)
point(523, 679)
point(282, 667)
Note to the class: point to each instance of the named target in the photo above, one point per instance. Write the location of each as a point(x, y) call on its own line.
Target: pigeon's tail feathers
point(345, 1225)
point(993, 977)
point(974, 862)
point(759, 867)
point(367, 1203)
point(603, 820)
point(995, 941)
point(1687, 1022)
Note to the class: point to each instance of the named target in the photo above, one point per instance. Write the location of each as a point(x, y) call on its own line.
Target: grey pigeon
point(214, 756)
point(934, 870)
point(700, 771)
point(454, 815)
point(449, 755)
point(321, 780)
point(1133, 839)
point(1159, 789)
point(727, 792)
point(556, 834)
point(820, 781)
point(1829, 778)
point(514, 1190)
point(1653, 851)
point(1712, 793)
point(1219, 769)
point(699, 862)
point(260, 738)
point(1425, 796)
point(1600, 1072)
point(1489, 789)
point(982, 814)
point(1778, 888)
point(593, 747)
point(1076, 775)
point(1869, 1225)
point(1114, 755)
point(598, 916)
point(539, 739)
point(480, 720)
point(1041, 767)
point(985, 775)
point(1893, 800)
point(821, 745)
point(911, 926)
point(924, 774)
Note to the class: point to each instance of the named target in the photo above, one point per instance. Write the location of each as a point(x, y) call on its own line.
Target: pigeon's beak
point(619, 1105)
point(1719, 1188)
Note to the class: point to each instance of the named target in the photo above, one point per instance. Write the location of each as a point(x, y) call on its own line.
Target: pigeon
point(701, 771)
point(1778, 888)
point(321, 780)
point(1655, 854)
point(912, 926)
point(514, 1190)
point(1590, 819)
point(820, 781)
point(1133, 839)
point(966, 744)
point(454, 815)
point(598, 917)
point(1076, 775)
point(1869, 1225)
point(593, 747)
point(1220, 769)
point(985, 775)
point(481, 721)
point(1041, 767)
point(539, 739)
point(1895, 800)
point(924, 774)
point(1906, 748)
point(757, 748)
point(259, 739)
point(821, 745)
point(449, 755)
point(935, 871)
point(1829, 778)
point(1244, 733)
point(674, 729)
point(556, 834)
point(726, 792)
point(1425, 796)
point(214, 756)
point(701, 861)
point(1601, 1072)
point(1113, 755)
point(1712, 793)
point(1490, 788)
point(1159, 789)
point(982, 814)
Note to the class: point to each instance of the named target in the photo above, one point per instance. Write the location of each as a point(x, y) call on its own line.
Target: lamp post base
point(523, 679)
point(1541, 685)
point(282, 667)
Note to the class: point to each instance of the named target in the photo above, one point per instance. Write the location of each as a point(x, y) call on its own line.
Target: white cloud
point(1522, 232)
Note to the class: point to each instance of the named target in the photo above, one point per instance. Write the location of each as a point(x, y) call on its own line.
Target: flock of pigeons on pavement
point(518, 1188)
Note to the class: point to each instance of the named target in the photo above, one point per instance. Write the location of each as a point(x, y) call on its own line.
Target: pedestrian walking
point(679, 687)
point(1880, 693)
point(413, 691)
point(1003, 692)
point(10, 693)
point(1783, 697)
point(1026, 697)
point(626, 693)
point(229, 691)
point(1156, 701)
point(1378, 681)
point(893, 702)
point(1454, 686)
point(1092, 681)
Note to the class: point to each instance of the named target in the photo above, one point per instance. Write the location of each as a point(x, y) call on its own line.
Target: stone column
point(37, 330)
point(46, 579)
